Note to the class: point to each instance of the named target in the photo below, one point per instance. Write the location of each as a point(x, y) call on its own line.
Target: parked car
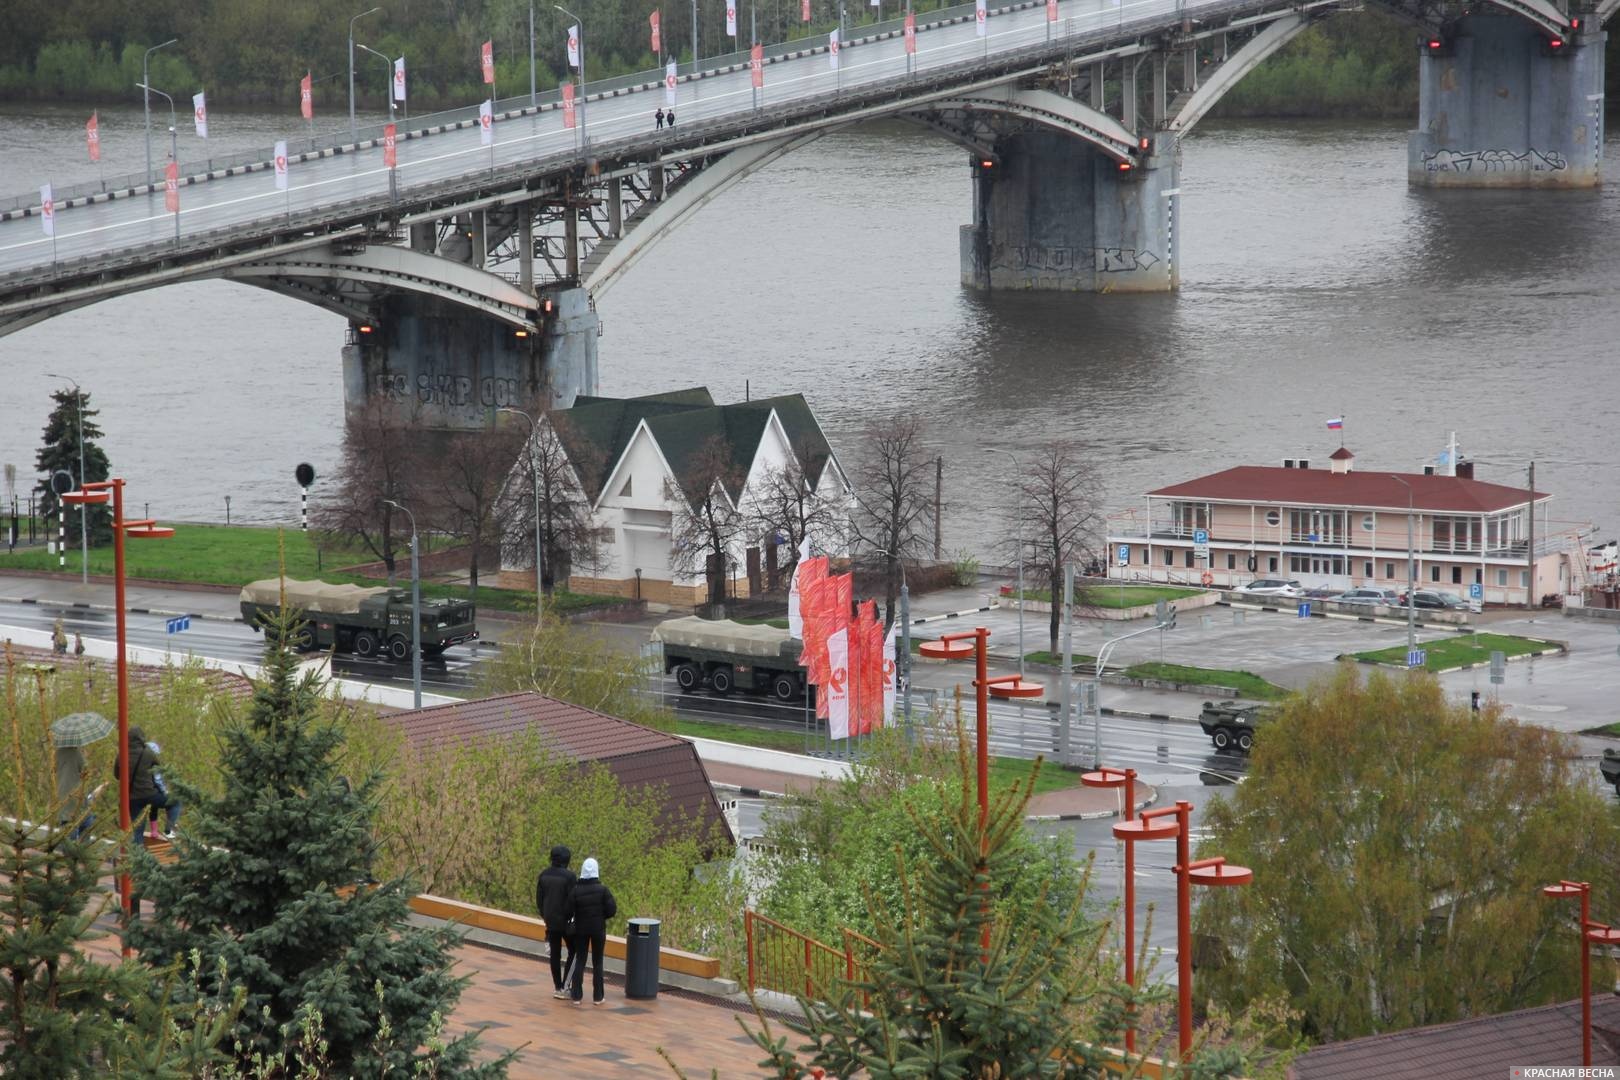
point(1271, 587)
point(1370, 597)
point(1322, 592)
point(1435, 600)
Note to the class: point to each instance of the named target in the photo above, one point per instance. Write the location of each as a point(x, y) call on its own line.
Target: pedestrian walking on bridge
point(658, 118)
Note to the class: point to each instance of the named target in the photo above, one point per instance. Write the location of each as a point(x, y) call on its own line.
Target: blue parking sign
point(1200, 536)
point(1124, 554)
point(1476, 591)
point(1305, 610)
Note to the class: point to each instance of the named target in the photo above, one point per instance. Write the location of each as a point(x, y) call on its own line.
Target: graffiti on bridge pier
point(1494, 161)
point(1102, 260)
point(456, 391)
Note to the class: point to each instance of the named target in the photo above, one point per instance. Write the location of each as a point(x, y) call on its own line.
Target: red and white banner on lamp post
point(657, 39)
point(980, 14)
point(804, 10)
point(199, 113)
point(756, 65)
point(731, 18)
point(171, 188)
point(911, 33)
point(1051, 10)
point(399, 79)
point(487, 61)
point(390, 142)
point(838, 684)
point(486, 123)
point(47, 210)
point(670, 80)
point(306, 97)
point(573, 46)
point(568, 104)
point(281, 166)
point(92, 137)
point(832, 49)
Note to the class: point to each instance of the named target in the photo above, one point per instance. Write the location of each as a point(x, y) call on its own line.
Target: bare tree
point(786, 505)
point(565, 513)
point(1056, 516)
point(468, 480)
point(383, 458)
point(894, 498)
point(706, 523)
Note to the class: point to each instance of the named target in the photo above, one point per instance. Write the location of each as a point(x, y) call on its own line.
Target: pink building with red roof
point(1344, 527)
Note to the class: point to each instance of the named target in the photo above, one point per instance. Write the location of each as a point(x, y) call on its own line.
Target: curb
point(1388, 620)
point(746, 792)
point(82, 606)
point(1097, 815)
point(952, 615)
point(1560, 650)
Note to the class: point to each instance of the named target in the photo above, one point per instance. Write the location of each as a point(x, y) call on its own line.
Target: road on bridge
point(226, 202)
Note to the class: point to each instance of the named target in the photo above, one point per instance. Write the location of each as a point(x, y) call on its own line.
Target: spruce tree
point(60, 450)
point(270, 882)
point(928, 1001)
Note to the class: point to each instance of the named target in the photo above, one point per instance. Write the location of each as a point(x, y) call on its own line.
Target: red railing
point(788, 962)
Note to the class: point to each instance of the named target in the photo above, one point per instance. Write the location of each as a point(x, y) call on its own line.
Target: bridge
point(469, 272)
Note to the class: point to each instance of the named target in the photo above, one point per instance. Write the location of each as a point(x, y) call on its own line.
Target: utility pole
point(939, 487)
point(1066, 672)
point(1530, 597)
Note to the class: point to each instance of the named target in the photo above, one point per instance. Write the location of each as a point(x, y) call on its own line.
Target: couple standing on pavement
point(576, 911)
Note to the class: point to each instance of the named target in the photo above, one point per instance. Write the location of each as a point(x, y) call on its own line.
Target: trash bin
point(641, 959)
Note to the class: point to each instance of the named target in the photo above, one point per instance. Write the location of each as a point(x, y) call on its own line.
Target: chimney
point(1342, 460)
point(1465, 470)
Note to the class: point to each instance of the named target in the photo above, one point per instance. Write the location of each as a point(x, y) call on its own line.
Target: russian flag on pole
point(1336, 423)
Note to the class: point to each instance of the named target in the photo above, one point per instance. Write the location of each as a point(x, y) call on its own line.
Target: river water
point(1315, 283)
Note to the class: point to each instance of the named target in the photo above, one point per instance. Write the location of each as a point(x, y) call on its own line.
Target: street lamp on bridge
point(146, 103)
point(388, 73)
point(354, 132)
point(174, 145)
point(581, 24)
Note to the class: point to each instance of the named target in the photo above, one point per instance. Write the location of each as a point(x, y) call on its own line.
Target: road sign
point(1305, 609)
point(1201, 543)
point(1124, 554)
point(1476, 591)
point(1498, 666)
point(174, 626)
point(1416, 657)
point(1085, 696)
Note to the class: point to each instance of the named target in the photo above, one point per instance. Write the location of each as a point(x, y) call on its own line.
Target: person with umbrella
point(70, 735)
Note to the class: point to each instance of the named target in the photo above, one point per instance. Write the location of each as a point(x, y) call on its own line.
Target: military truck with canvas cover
point(353, 618)
point(725, 656)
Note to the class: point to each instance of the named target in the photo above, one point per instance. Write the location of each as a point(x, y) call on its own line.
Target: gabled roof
point(1343, 453)
point(1469, 1049)
point(636, 755)
point(1320, 487)
point(596, 432)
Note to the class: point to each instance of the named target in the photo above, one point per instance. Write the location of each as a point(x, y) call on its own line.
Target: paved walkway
point(1081, 803)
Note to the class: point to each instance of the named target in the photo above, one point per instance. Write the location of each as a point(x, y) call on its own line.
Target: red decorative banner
point(804, 11)
point(306, 98)
point(389, 158)
point(911, 32)
point(488, 58)
point(568, 104)
point(92, 137)
point(756, 64)
point(1051, 10)
point(171, 188)
point(657, 41)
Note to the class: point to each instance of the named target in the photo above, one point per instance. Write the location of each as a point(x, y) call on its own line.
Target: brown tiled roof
point(1469, 1049)
point(638, 756)
point(1375, 490)
point(141, 676)
point(1343, 453)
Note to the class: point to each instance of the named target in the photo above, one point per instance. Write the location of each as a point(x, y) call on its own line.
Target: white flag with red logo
point(573, 46)
point(171, 188)
point(487, 59)
point(832, 48)
point(92, 137)
point(47, 210)
point(980, 14)
point(756, 64)
point(670, 80)
point(911, 32)
point(199, 114)
point(399, 79)
point(890, 676)
point(281, 166)
point(657, 40)
point(1051, 10)
point(837, 688)
point(795, 612)
point(731, 18)
point(390, 146)
point(306, 97)
point(486, 123)
point(568, 104)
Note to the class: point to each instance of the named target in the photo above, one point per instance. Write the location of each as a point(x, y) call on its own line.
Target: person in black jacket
point(593, 907)
point(144, 789)
point(554, 896)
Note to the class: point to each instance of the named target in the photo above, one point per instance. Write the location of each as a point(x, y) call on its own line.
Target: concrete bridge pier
point(1502, 106)
point(1053, 212)
point(451, 367)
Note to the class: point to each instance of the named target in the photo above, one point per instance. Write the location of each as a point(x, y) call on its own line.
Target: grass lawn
point(1052, 659)
point(238, 554)
point(1245, 683)
point(780, 622)
point(1121, 596)
point(1003, 770)
point(1455, 651)
point(1611, 731)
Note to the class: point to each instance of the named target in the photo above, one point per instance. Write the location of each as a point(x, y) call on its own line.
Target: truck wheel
point(399, 648)
point(785, 687)
point(1245, 741)
point(1221, 738)
point(721, 680)
point(365, 644)
point(687, 677)
point(304, 639)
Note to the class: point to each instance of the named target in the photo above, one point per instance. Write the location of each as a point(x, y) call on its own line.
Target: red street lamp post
point(112, 491)
point(1591, 933)
point(1209, 872)
point(1125, 779)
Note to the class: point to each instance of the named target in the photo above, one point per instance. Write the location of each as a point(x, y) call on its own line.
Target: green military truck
point(365, 621)
point(725, 656)
point(1229, 725)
